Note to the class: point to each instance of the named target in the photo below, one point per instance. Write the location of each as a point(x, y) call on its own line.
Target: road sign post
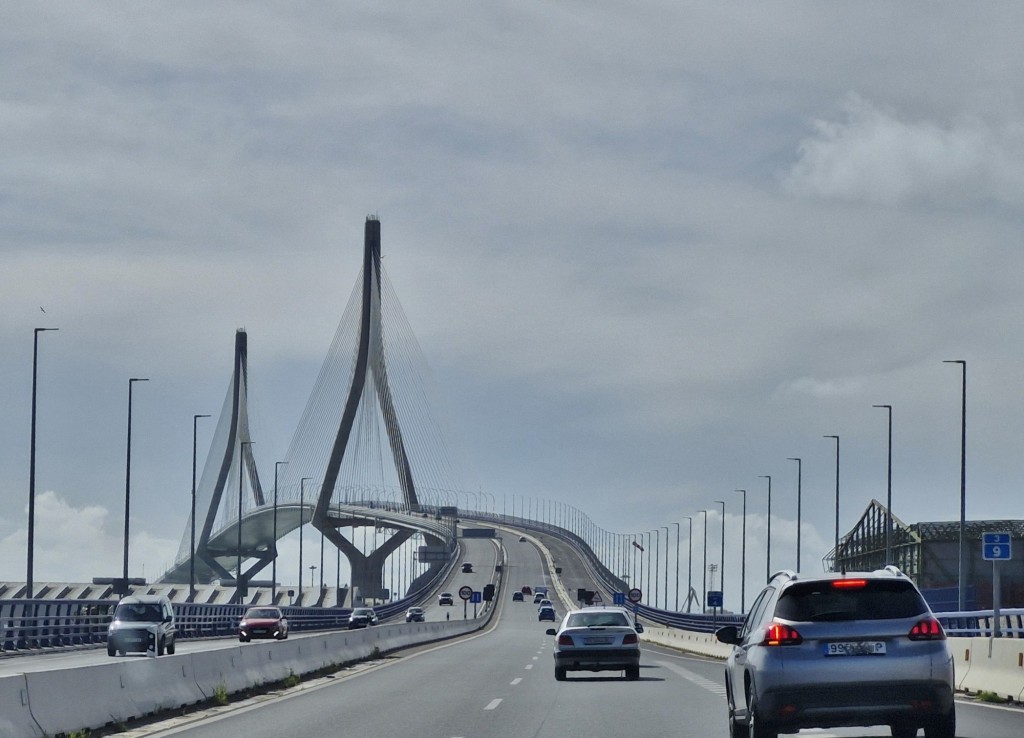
point(465, 593)
point(996, 547)
point(476, 598)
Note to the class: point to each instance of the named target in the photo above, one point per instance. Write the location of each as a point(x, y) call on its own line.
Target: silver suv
point(140, 622)
point(844, 649)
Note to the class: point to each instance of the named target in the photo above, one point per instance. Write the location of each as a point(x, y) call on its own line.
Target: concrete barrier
point(703, 643)
point(15, 716)
point(66, 700)
point(995, 665)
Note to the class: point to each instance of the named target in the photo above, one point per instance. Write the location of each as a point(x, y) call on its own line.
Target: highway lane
point(500, 682)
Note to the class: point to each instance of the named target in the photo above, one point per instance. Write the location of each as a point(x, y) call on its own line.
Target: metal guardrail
point(981, 623)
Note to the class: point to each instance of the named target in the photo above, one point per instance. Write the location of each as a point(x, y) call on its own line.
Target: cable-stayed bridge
point(367, 452)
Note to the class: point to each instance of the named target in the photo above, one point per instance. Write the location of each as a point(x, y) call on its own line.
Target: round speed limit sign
point(634, 595)
point(465, 592)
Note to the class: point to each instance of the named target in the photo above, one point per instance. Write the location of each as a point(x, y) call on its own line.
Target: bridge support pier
point(368, 569)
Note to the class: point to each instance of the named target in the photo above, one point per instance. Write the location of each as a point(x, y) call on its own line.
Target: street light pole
point(192, 538)
point(743, 556)
point(29, 586)
point(302, 502)
point(888, 493)
point(678, 528)
point(721, 566)
point(768, 560)
point(666, 565)
point(273, 563)
point(837, 502)
point(799, 491)
point(963, 481)
point(657, 551)
point(128, 482)
point(704, 564)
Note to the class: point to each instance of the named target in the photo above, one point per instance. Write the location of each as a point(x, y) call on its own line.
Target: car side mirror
point(639, 627)
point(168, 619)
point(728, 634)
point(551, 632)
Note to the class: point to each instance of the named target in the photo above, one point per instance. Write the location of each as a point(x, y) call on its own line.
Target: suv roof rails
point(892, 569)
point(786, 573)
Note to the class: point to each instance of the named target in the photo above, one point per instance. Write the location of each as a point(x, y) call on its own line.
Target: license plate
point(598, 641)
point(855, 648)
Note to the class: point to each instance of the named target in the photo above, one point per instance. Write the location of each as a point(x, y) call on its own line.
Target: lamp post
point(665, 527)
point(29, 587)
point(657, 549)
point(689, 561)
point(704, 563)
point(648, 534)
point(721, 565)
point(128, 481)
point(302, 502)
point(273, 563)
point(743, 556)
point(192, 539)
point(888, 492)
point(799, 484)
point(678, 528)
point(962, 599)
point(837, 502)
point(239, 583)
point(768, 560)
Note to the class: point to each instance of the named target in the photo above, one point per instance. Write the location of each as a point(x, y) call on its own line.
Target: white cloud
point(875, 156)
point(75, 544)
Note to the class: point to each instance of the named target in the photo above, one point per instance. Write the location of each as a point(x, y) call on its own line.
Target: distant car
point(135, 619)
point(538, 597)
point(522, 539)
point(541, 590)
point(415, 615)
point(547, 613)
point(545, 603)
point(467, 568)
point(596, 639)
point(362, 617)
point(526, 590)
point(445, 598)
point(262, 622)
point(839, 649)
point(517, 596)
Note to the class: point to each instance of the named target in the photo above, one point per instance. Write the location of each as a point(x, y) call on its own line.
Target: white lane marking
point(536, 658)
point(515, 681)
point(713, 687)
point(493, 703)
point(529, 666)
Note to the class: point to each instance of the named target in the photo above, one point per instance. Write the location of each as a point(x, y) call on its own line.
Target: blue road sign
point(714, 598)
point(618, 598)
point(996, 546)
point(477, 598)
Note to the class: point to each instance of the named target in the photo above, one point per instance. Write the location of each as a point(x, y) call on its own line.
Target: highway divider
point(990, 665)
point(61, 701)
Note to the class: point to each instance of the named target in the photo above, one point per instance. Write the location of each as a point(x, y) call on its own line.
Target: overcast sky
point(650, 250)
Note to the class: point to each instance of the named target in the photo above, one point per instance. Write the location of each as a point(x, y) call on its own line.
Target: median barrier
point(686, 640)
point(67, 700)
point(15, 716)
point(155, 684)
point(996, 665)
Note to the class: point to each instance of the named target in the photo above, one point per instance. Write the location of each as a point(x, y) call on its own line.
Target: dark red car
point(263, 622)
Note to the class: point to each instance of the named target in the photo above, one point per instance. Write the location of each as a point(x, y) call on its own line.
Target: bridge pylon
point(367, 569)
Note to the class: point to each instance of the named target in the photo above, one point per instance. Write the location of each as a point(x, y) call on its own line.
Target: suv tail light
point(629, 639)
point(565, 640)
point(778, 634)
point(928, 629)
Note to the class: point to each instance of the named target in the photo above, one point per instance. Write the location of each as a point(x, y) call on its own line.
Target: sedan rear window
point(596, 619)
point(878, 599)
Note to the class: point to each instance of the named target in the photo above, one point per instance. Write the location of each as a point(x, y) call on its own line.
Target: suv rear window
point(879, 599)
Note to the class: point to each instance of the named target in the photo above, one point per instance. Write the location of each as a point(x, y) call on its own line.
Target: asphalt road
point(501, 683)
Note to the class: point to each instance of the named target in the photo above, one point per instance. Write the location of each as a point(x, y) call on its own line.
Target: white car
point(597, 639)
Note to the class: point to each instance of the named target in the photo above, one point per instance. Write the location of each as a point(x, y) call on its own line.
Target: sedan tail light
point(565, 640)
point(928, 629)
point(629, 639)
point(779, 634)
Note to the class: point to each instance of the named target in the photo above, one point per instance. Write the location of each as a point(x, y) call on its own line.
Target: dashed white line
point(493, 703)
point(535, 658)
point(529, 666)
point(515, 681)
point(713, 687)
